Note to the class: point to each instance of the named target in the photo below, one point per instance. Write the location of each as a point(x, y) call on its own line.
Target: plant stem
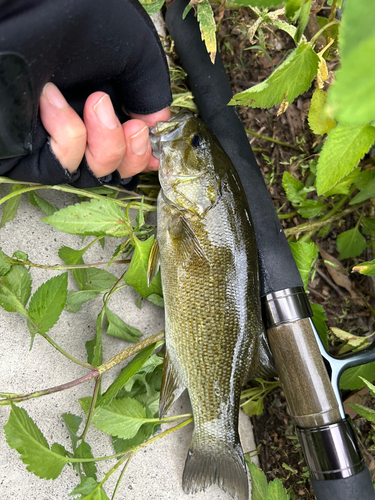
point(317, 35)
point(92, 407)
point(130, 351)
point(60, 268)
point(51, 390)
point(290, 215)
point(271, 139)
point(66, 354)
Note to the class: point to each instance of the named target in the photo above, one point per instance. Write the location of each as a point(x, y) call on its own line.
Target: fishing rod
point(308, 374)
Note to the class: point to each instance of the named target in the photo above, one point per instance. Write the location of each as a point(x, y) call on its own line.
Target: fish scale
point(208, 261)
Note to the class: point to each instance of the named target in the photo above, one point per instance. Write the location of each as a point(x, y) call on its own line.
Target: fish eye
point(196, 140)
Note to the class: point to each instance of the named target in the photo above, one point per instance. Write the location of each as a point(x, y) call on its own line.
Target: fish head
point(187, 173)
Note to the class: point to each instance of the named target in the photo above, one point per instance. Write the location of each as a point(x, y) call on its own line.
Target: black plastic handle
point(212, 93)
point(357, 487)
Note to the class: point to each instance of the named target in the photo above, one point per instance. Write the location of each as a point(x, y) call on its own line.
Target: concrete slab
point(155, 473)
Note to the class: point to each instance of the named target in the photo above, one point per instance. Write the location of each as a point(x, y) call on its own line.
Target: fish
point(215, 339)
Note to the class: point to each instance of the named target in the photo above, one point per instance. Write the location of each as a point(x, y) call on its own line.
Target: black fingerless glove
point(82, 46)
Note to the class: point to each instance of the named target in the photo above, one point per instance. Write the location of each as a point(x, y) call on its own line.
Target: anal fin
point(171, 386)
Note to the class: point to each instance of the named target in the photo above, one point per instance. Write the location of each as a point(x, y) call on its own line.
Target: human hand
point(106, 144)
point(87, 51)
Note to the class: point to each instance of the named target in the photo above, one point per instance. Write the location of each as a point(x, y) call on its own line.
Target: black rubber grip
point(357, 487)
point(212, 93)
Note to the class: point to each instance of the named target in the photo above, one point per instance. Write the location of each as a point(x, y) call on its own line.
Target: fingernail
point(105, 112)
point(139, 142)
point(54, 96)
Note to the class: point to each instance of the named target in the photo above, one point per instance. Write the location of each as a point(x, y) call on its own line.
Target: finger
point(151, 120)
point(138, 148)
point(66, 129)
point(106, 144)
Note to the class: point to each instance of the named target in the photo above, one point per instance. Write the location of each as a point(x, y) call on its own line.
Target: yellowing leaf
point(319, 122)
point(207, 26)
point(367, 268)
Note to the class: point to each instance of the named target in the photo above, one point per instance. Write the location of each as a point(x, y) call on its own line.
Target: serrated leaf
point(276, 491)
point(367, 413)
point(23, 435)
point(130, 369)
point(350, 378)
point(136, 275)
point(4, 263)
point(72, 423)
point(72, 258)
point(366, 268)
point(304, 254)
point(118, 328)
point(344, 147)
point(370, 386)
point(350, 243)
point(75, 300)
point(84, 451)
point(48, 301)
point(320, 123)
point(310, 208)
point(95, 217)
point(91, 488)
point(11, 206)
point(39, 202)
point(293, 188)
point(352, 97)
point(343, 186)
point(123, 445)
point(207, 27)
point(15, 289)
point(366, 193)
point(122, 418)
point(94, 347)
point(303, 19)
point(288, 81)
point(259, 484)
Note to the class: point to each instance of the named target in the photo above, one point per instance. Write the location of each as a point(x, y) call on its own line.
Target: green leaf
point(136, 275)
point(310, 208)
point(130, 369)
point(292, 9)
point(152, 7)
point(118, 328)
point(39, 202)
point(367, 413)
point(344, 147)
point(350, 379)
point(95, 217)
point(319, 319)
point(156, 299)
point(366, 193)
point(364, 178)
point(99, 279)
point(15, 289)
point(259, 3)
point(288, 81)
point(91, 488)
point(4, 263)
point(11, 206)
point(370, 386)
point(303, 19)
point(293, 188)
point(72, 258)
point(122, 445)
point(320, 123)
point(94, 347)
point(304, 254)
point(48, 301)
point(352, 97)
point(84, 451)
point(72, 423)
point(259, 484)
point(23, 435)
point(207, 26)
point(366, 268)
point(75, 300)
point(343, 186)
point(350, 243)
point(122, 418)
point(276, 491)
point(368, 226)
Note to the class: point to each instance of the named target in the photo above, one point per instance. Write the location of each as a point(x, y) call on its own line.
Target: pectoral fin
point(171, 386)
point(153, 262)
point(190, 245)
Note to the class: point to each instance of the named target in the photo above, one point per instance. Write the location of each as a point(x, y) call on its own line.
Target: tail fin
point(228, 471)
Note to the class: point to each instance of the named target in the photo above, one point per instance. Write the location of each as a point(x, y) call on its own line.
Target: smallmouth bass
point(214, 332)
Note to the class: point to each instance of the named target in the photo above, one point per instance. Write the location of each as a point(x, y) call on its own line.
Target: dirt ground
point(279, 451)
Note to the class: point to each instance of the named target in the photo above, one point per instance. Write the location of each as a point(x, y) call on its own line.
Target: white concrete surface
point(155, 473)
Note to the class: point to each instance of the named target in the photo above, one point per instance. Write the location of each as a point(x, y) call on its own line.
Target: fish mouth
point(167, 131)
